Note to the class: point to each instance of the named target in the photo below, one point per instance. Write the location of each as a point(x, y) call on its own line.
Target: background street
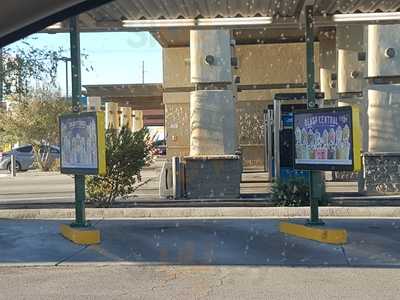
point(37, 188)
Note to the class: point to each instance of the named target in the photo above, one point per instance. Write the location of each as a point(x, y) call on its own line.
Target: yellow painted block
point(357, 134)
point(323, 235)
point(82, 236)
point(101, 143)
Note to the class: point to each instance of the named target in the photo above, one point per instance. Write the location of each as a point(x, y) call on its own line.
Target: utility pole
point(66, 77)
point(142, 71)
point(66, 60)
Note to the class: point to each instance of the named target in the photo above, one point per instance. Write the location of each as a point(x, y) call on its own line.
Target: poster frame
point(355, 135)
point(100, 139)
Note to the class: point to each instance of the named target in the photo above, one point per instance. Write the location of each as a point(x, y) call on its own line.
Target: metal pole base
point(319, 222)
point(80, 216)
point(86, 224)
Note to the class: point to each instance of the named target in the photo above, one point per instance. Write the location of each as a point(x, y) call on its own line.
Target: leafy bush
point(126, 154)
point(292, 193)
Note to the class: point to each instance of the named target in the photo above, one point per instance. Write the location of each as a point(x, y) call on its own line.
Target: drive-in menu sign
point(324, 139)
point(82, 140)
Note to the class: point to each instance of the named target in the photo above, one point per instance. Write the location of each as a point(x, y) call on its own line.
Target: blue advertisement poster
point(324, 137)
point(78, 142)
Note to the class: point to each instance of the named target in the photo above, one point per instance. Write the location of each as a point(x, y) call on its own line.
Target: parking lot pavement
point(199, 259)
point(198, 282)
point(372, 243)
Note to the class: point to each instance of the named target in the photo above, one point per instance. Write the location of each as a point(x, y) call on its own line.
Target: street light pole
point(66, 60)
point(142, 71)
point(66, 78)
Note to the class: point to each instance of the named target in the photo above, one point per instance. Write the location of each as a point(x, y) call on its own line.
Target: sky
point(116, 57)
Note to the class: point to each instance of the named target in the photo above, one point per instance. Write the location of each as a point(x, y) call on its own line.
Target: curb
point(80, 236)
point(321, 234)
point(204, 212)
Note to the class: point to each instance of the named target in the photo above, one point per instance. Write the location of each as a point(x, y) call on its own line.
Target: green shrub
point(292, 193)
point(126, 154)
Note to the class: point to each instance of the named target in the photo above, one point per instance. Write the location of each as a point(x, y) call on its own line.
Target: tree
point(33, 119)
point(25, 65)
point(126, 154)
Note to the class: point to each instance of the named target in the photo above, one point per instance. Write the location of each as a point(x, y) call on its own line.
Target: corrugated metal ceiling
point(172, 9)
point(109, 16)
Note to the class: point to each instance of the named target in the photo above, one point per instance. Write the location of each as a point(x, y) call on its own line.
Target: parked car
point(160, 148)
point(25, 157)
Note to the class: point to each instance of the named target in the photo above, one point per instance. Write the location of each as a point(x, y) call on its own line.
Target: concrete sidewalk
point(202, 212)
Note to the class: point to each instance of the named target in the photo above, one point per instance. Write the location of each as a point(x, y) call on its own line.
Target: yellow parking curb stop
point(82, 236)
point(320, 234)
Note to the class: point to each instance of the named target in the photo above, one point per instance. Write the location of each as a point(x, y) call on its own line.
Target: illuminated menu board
point(327, 139)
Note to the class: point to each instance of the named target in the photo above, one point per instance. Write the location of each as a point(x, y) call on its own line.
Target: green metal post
point(310, 57)
point(80, 218)
point(315, 177)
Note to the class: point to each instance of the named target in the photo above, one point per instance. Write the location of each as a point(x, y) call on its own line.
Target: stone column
point(112, 117)
point(94, 104)
point(351, 83)
point(212, 105)
point(384, 99)
point(327, 61)
point(381, 163)
point(212, 169)
point(351, 72)
point(138, 122)
point(350, 42)
point(126, 117)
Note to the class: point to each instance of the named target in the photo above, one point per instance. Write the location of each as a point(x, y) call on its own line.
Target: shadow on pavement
point(372, 243)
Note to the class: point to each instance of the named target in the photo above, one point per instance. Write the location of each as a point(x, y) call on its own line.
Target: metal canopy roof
point(138, 96)
point(287, 16)
point(146, 97)
point(20, 17)
point(125, 90)
point(174, 9)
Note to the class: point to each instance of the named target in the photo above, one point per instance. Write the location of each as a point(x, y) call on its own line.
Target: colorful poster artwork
point(79, 143)
point(323, 138)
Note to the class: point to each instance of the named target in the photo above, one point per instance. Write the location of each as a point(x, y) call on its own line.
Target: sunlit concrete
point(137, 120)
point(112, 117)
point(121, 281)
point(384, 109)
point(126, 117)
point(93, 104)
point(328, 65)
point(212, 110)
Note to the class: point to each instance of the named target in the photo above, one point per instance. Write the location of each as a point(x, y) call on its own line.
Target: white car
point(25, 157)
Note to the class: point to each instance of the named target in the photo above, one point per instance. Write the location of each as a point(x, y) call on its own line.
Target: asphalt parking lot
point(371, 243)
